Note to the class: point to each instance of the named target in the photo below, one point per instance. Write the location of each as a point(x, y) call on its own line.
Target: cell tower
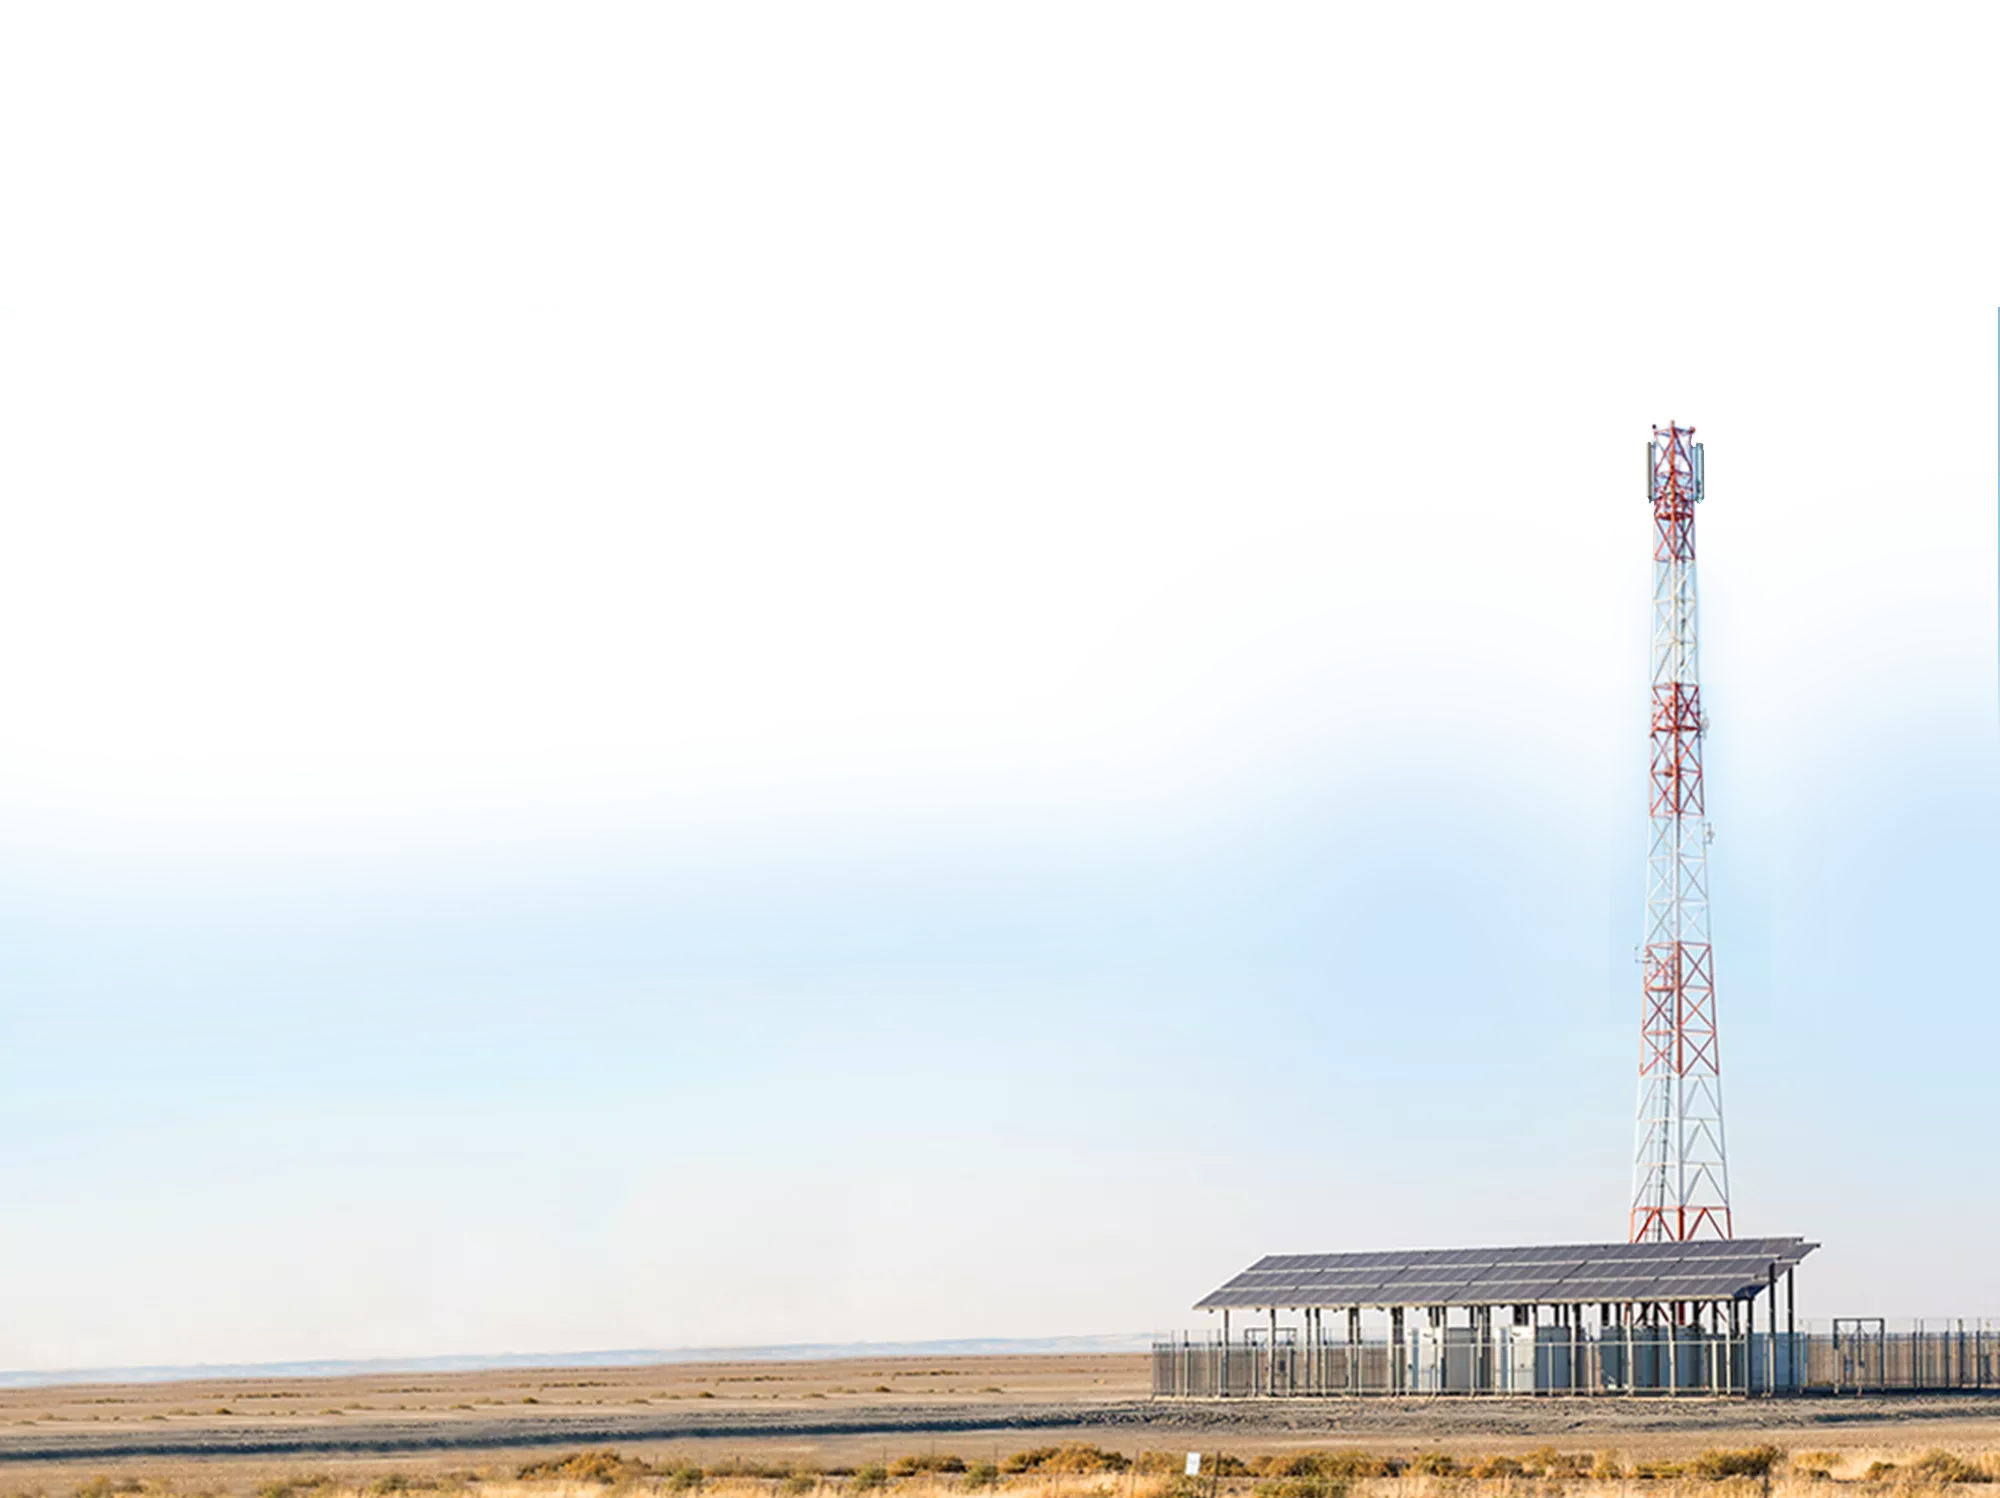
point(1680, 1176)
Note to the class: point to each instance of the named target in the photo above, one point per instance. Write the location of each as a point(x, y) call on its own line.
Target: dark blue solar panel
point(1536, 1273)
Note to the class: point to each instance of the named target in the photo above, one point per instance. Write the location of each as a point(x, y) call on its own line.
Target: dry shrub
point(1302, 1487)
point(1360, 1464)
point(1947, 1466)
point(1549, 1462)
point(685, 1478)
point(867, 1478)
point(605, 1466)
point(1436, 1464)
point(799, 1483)
point(1071, 1456)
point(1340, 1465)
point(1752, 1461)
point(1609, 1466)
point(1659, 1471)
point(1879, 1472)
point(936, 1461)
point(1489, 1467)
point(981, 1474)
point(737, 1466)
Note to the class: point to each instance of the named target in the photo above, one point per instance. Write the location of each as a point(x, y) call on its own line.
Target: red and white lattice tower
point(1680, 1177)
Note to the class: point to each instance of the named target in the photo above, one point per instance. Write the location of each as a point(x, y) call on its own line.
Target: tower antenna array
point(1680, 1175)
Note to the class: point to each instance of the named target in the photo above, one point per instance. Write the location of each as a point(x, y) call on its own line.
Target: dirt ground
point(236, 1434)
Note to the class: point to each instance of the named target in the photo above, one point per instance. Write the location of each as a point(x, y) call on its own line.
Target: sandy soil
point(235, 1433)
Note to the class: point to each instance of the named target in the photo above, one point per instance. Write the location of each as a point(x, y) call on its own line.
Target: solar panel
point(1538, 1274)
point(1692, 1287)
point(1732, 1266)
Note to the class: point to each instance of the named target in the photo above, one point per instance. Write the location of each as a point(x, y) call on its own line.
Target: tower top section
point(1674, 486)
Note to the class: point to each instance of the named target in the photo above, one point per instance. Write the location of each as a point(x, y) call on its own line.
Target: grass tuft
point(1303, 1487)
point(1071, 1456)
point(1947, 1467)
point(936, 1461)
point(1752, 1461)
point(605, 1466)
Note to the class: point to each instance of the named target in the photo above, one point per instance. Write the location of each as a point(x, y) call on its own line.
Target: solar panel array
point(1556, 1275)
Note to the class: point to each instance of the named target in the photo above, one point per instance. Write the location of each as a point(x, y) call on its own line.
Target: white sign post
point(1194, 1464)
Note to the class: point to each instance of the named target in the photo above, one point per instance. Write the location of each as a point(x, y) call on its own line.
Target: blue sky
point(700, 679)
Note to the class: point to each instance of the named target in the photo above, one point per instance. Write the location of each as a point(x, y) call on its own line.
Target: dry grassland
point(929, 1428)
point(1080, 1470)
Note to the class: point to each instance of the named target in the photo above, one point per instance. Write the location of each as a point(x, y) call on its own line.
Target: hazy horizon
point(473, 1362)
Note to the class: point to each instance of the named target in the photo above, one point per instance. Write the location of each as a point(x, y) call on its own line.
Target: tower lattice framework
point(1680, 1175)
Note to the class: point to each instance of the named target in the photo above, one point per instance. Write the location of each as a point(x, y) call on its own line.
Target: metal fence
point(1852, 1356)
point(1866, 1355)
